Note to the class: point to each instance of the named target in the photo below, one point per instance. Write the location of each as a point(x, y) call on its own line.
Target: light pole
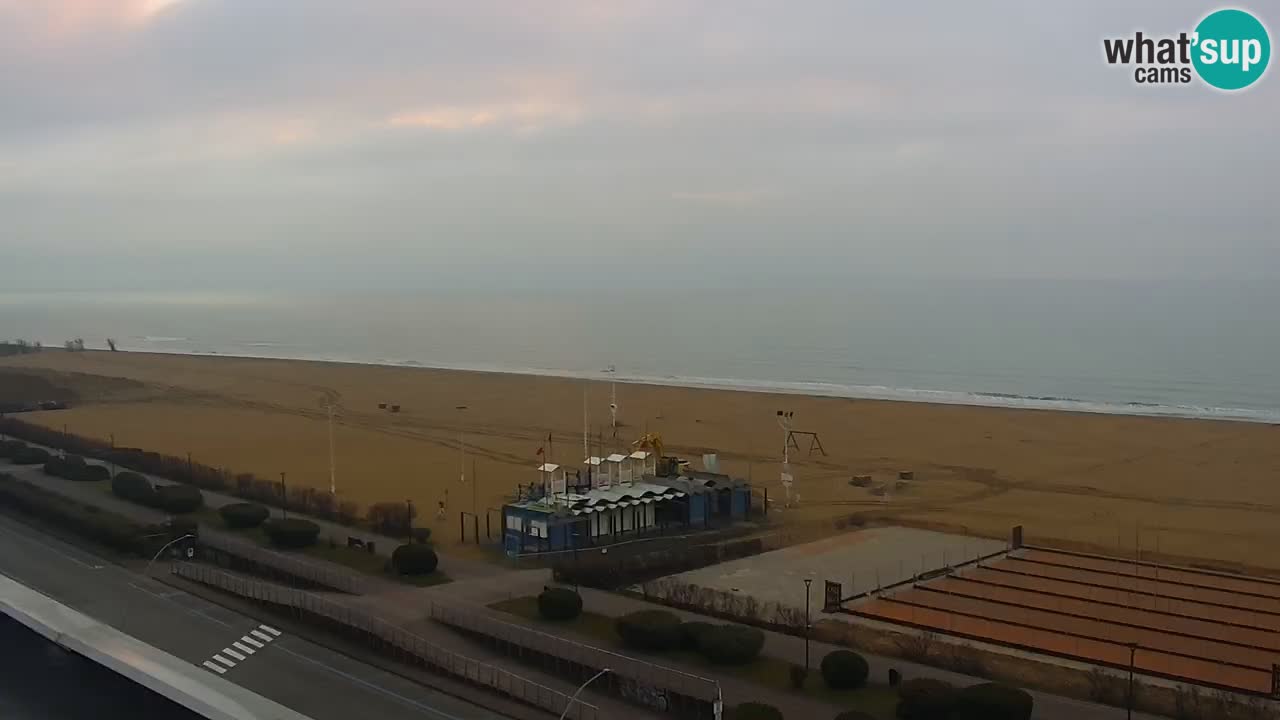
point(284, 499)
point(1133, 649)
point(462, 450)
point(807, 583)
point(147, 569)
point(581, 687)
point(333, 473)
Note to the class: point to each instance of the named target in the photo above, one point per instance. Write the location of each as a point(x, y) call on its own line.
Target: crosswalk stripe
point(270, 629)
point(233, 654)
point(242, 648)
point(260, 635)
point(251, 641)
point(213, 667)
point(224, 661)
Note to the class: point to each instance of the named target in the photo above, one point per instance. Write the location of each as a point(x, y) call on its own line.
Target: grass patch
point(766, 672)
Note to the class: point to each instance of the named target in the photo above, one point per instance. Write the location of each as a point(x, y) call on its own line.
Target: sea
point(1209, 350)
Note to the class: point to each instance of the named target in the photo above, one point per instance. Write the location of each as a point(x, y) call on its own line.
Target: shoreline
point(877, 393)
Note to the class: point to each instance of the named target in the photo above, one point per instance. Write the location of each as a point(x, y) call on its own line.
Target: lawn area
point(876, 700)
point(358, 560)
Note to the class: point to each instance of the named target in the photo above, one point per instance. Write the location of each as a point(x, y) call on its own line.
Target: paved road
point(312, 680)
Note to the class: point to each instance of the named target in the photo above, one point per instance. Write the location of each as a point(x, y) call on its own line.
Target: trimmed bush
point(9, 448)
point(421, 535)
point(84, 520)
point(88, 473)
point(134, 487)
point(926, 699)
point(854, 715)
point(992, 701)
point(178, 499)
point(243, 515)
point(731, 644)
point(844, 670)
point(30, 456)
point(292, 532)
point(653, 630)
point(414, 559)
point(754, 711)
point(55, 466)
point(691, 633)
point(556, 603)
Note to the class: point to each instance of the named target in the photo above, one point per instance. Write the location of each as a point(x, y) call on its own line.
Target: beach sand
point(1185, 488)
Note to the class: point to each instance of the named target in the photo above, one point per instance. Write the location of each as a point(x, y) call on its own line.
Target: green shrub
point(292, 532)
point(799, 674)
point(421, 535)
point(556, 603)
point(992, 701)
point(135, 488)
point(654, 630)
point(754, 711)
point(88, 473)
point(414, 559)
point(55, 466)
point(30, 456)
point(243, 515)
point(844, 670)
point(9, 448)
point(926, 699)
point(178, 499)
point(854, 715)
point(691, 633)
point(84, 520)
point(731, 644)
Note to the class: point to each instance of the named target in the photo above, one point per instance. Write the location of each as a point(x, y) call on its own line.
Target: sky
point(154, 144)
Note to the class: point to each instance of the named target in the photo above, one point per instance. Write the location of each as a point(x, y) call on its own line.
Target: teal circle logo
point(1232, 49)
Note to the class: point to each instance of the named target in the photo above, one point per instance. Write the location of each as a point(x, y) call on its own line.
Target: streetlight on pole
point(807, 583)
point(462, 449)
point(581, 687)
point(284, 499)
point(1133, 649)
point(147, 569)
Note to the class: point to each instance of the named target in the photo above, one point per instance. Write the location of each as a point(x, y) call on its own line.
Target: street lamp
point(581, 687)
point(147, 569)
point(807, 583)
point(1133, 649)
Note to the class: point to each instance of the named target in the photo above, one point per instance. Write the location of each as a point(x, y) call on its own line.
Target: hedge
point(556, 603)
point(654, 630)
point(992, 701)
point(731, 644)
point(854, 715)
point(89, 473)
point(414, 559)
point(244, 515)
point(292, 532)
point(107, 528)
point(926, 699)
point(754, 711)
point(178, 499)
point(135, 488)
point(9, 448)
point(844, 670)
point(30, 456)
point(691, 632)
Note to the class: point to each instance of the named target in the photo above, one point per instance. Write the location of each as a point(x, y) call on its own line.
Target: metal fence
point(423, 651)
point(637, 676)
point(292, 567)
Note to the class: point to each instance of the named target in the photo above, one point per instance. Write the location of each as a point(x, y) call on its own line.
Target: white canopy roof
point(548, 467)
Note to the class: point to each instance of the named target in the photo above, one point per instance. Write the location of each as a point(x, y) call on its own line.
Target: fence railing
point(640, 673)
point(314, 573)
point(430, 654)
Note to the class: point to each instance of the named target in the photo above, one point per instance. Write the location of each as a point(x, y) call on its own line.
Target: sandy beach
point(1195, 489)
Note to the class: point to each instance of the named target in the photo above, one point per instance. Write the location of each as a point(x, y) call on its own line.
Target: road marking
point(270, 629)
point(422, 707)
point(233, 654)
point(251, 641)
point(53, 549)
point(260, 635)
point(224, 661)
point(213, 667)
point(242, 648)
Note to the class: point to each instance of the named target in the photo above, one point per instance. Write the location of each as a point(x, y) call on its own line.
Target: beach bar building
point(587, 517)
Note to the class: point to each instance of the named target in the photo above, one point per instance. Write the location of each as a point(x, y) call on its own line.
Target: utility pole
point(1133, 649)
point(462, 449)
point(807, 583)
point(284, 499)
point(333, 475)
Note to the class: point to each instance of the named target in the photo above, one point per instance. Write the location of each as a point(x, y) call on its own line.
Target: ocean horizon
point(1059, 348)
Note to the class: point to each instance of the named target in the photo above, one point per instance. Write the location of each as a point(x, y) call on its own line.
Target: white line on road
point(233, 654)
point(270, 629)
point(242, 648)
point(214, 668)
point(224, 661)
point(52, 549)
point(372, 686)
point(260, 635)
point(251, 641)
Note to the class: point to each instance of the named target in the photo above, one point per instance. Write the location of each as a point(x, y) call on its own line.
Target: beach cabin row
point(576, 518)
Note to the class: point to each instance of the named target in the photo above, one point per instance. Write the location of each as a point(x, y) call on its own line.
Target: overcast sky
point(247, 143)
